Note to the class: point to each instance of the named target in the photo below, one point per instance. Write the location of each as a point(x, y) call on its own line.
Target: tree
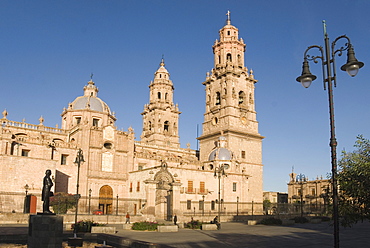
point(354, 183)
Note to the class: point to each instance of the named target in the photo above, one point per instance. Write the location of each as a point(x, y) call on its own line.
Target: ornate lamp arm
point(339, 51)
point(315, 59)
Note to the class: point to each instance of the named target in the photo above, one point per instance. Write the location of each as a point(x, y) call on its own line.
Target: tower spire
point(161, 115)
point(228, 21)
point(229, 88)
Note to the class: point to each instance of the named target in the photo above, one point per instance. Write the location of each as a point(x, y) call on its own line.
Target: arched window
point(228, 57)
point(166, 125)
point(150, 126)
point(166, 96)
point(219, 59)
point(159, 95)
point(241, 97)
point(218, 98)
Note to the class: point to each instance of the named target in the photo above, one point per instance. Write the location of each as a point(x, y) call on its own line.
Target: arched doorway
point(164, 193)
point(106, 199)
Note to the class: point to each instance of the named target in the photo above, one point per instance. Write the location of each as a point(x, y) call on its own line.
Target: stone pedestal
point(127, 226)
point(103, 229)
point(168, 228)
point(207, 227)
point(252, 222)
point(45, 231)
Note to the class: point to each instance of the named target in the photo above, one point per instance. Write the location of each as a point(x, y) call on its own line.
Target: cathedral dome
point(220, 153)
point(90, 100)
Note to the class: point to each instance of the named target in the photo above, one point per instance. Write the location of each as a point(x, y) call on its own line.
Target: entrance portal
point(163, 201)
point(106, 199)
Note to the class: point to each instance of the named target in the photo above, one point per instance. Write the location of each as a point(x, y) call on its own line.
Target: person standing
point(175, 219)
point(127, 218)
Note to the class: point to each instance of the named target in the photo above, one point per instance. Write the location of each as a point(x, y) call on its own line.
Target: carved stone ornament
point(5, 113)
point(164, 178)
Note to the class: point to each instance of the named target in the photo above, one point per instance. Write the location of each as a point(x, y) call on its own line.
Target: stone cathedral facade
point(153, 177)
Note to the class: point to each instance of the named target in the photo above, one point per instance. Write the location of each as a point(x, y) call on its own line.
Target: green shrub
point(300, 220)
point(61, 202)
point(85, 225)
point(145, 226)
point(271, 221)
point(194, 224)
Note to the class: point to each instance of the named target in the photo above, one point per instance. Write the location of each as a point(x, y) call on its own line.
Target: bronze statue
point(48, 183)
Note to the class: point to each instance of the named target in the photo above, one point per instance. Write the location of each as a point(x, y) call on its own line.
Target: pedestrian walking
point(127, 218)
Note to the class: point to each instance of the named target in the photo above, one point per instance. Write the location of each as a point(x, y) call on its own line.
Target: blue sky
point(48, 49)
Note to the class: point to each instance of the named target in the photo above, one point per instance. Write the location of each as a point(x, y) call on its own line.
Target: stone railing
point(8, 123)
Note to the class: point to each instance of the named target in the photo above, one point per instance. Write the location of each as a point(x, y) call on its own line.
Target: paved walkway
point(241, 235)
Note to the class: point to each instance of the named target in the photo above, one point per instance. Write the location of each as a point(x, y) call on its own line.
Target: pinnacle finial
point(228, 21)
point(5, 113)
point(162, 61)
point(41, 120)
point(91, 80)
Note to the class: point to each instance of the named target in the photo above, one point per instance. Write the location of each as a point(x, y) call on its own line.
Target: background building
point(153, 177)
point(312, 195)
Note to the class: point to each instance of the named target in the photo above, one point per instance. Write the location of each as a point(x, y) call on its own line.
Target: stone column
point(150, 196)
point(45, 231)
point(176, 208)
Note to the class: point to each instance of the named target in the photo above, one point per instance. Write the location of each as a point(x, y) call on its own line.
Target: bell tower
point(230, 104)
point(161, 115)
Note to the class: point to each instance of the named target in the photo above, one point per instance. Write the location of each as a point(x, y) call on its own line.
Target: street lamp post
point(90, 190)
point(117, 205)
point(79, 160)
point(26, 187)
point(352, 66)
point(237, 205)
point(203, 196)
point(218, 173)
point(26, 205)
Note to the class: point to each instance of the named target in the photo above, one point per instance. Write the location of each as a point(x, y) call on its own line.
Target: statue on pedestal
point(46, 191)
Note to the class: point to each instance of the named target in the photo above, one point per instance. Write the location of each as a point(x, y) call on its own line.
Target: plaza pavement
point(241, 235)
point(259, 236)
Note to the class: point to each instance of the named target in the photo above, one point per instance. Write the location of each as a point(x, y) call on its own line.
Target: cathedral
point(152, 177)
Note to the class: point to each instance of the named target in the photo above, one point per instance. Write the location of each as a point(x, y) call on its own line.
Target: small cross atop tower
point(228, 22)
